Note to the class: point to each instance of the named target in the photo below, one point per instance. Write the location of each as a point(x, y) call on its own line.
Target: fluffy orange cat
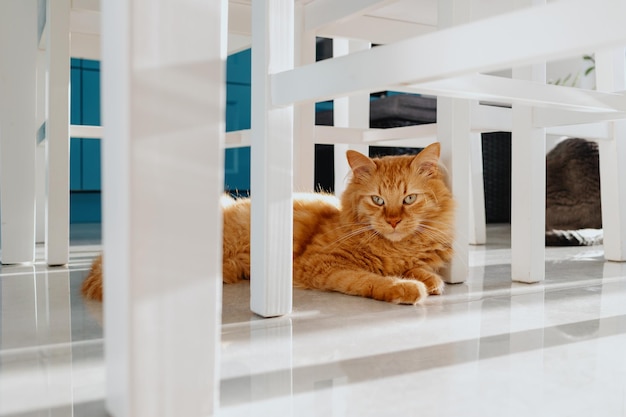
point(387, 239)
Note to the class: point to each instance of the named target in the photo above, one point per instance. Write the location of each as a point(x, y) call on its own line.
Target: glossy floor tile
point(488, 347)
point(51, 356)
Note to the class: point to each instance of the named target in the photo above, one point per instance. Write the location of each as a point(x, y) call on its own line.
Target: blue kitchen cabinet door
point(237, 160)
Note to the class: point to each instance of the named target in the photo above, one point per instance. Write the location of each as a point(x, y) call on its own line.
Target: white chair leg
point(528, 184)
point(40, 158)
point(304, 113)
point(351, 111)
point(453, 132)
point(610, 75)
point(613, 186)
point(453, 127)
point(57, 238)
point(477, 229)
point(163, 161)
point(40, 192)
point(271, 169)
point(18, 43)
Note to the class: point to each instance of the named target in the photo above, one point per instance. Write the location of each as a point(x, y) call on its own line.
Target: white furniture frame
point(163, 109)
point(31, 51)
point(164, 106)
point(444, 63)
point(145, 84)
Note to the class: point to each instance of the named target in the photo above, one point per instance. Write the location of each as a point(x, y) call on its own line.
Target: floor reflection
point(486, 347)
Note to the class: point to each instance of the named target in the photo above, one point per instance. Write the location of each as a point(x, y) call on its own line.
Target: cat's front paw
point(407, 292)
point(433, 282)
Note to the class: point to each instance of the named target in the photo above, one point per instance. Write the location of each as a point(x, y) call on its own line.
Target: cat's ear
point(427, 161)
point(360, 163)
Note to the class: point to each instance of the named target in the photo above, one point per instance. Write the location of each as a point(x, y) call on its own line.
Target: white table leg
point(18, 43)
point(57, 238)
point(610, 76)
point(528, 184)
point(163, 150)
point(271, 168)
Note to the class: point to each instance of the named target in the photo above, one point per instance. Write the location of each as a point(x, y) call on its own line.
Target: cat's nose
point(394, 221)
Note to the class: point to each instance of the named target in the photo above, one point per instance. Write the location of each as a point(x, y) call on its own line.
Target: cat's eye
point(378, 200)
point(410, 199)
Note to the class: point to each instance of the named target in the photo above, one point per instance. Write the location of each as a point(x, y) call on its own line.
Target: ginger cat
point(387, 239)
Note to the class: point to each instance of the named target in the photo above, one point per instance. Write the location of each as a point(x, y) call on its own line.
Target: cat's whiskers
point(436, 234)
point(351, 234)
point(347, 226)
point(371, 237)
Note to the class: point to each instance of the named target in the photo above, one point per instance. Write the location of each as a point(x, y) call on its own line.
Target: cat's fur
point(573, 208)
point(387, 239)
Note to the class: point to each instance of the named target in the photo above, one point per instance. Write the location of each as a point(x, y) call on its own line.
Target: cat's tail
point(580, 237)
point(92, 285)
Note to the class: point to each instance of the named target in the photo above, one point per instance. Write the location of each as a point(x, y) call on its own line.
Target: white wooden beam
point(477, 219)
point(239, 26)
point(611, 76)
point(85, 21)
point(163, 107)
point(40, 158)
point(57, 238)
point(238, 138)
point(508, 91)
point(543, 117)
point(271, 170)
point(304, 113)
point(453, 132)
point(18, 43)
point(399, 133)
point(349, 111)
point(320, 13)
point(84, 25)
point(86, 46)
point(528, 184)
point(239, 18)
point(91, 5)
point(483, 119)
point(329, 135)
point(86, 132)
point(487, 118)
point(40, 187)
point(461, 50)
point(374, 29)
point(590, 131)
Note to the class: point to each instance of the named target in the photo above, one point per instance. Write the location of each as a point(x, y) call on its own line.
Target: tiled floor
point(487, 347)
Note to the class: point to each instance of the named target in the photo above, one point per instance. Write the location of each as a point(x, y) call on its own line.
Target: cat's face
point(397, 197)
point(395, 213)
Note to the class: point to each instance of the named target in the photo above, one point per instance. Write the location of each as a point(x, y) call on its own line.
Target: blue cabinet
point(85, 176)
point(85, 168)
point(237, 161)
